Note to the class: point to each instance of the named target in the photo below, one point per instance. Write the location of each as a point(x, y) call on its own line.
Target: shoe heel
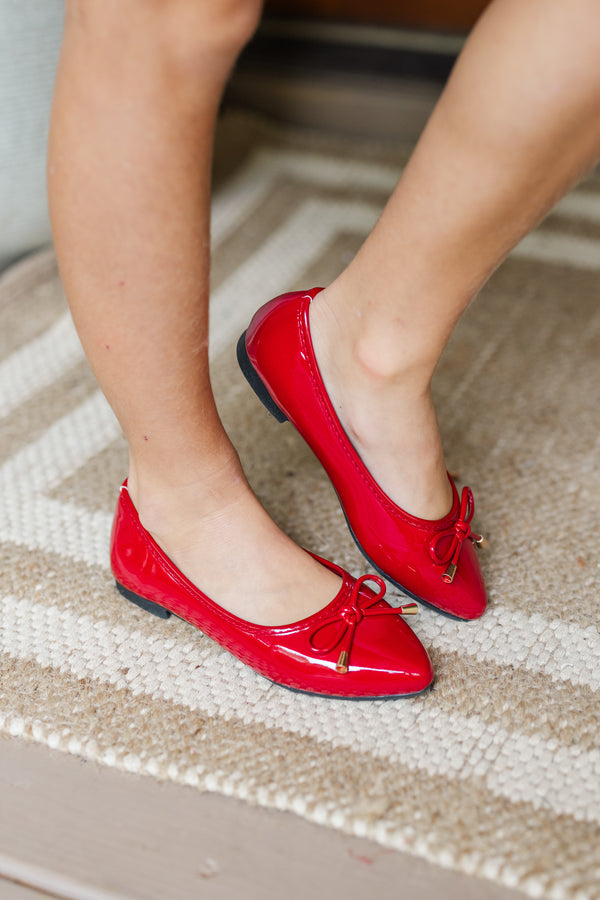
point(150, 607)
point(254, 381)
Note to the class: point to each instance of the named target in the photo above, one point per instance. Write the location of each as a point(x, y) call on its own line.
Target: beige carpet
point(497, 770)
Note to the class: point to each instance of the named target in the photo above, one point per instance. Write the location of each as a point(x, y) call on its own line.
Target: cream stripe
point(562, 249)
point(251, 184)
point(40, 523)
point(509, 637)
point(580, 205)
point(62, 449)
point(30, 518)
point(522, 768)
point(37, 364)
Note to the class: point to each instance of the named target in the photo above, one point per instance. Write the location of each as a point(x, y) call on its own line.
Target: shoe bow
point(445, 547)
point(340, 628)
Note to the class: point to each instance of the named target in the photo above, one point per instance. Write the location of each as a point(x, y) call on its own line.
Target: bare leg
point(517, 124)
point(137, 93)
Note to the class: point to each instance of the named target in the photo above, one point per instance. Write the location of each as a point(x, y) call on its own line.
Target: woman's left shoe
point(357, 647)
point(433, 561)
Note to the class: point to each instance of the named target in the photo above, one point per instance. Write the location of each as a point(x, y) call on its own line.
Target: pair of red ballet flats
point(358, 646)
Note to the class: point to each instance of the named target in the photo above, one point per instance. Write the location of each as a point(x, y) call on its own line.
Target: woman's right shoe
point(434, 562)
point(357, 647)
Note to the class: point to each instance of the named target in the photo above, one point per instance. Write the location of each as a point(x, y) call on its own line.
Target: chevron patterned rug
point(497, 770)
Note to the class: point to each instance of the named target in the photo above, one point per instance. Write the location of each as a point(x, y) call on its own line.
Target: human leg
point(516, 125)
point(137, 93)
point(352, 365)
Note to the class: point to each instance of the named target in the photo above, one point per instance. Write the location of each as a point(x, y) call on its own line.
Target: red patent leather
point(411, 552)
point(356, 647)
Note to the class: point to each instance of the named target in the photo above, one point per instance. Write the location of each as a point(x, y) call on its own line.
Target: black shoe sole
point(148, 605)
point(253, 379)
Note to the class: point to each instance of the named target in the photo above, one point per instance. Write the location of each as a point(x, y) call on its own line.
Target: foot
point(389, 417)
point(218, 534)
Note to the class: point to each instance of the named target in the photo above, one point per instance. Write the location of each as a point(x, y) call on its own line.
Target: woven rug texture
point(497, 770)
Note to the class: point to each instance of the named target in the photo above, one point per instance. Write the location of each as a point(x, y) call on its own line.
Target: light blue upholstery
point(30, 33)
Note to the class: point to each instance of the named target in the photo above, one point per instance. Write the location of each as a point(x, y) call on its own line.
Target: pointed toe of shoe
point(408, 669)
point(387, 660)
point(388, 650)
point(469, 600)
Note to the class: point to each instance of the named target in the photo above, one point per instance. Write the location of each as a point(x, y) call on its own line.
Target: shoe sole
point(255, 381)
point(163, 613)
point(257, 385)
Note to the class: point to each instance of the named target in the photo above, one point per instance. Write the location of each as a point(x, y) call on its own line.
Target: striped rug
point(497, 770)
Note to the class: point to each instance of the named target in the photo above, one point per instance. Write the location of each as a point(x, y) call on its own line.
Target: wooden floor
point(72, 829)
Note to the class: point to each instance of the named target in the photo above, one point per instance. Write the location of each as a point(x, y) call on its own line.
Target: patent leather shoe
point(434, 562)
point(356, 647)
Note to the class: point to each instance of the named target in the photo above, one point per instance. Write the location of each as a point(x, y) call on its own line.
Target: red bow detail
point(459, 532)
point(349, 615)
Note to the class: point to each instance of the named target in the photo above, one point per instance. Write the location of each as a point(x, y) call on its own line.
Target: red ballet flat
point(434, 562)
point(357, 647)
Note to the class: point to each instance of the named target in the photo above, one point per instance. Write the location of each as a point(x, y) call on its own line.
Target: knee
point(188, 33)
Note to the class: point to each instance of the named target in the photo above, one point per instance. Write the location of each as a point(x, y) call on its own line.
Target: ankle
point(369, 349)
point(165, 500)
point(391, 357)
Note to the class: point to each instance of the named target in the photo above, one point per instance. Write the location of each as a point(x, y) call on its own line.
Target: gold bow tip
point(408, 609)
point(448, 576)
point(342, 663)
